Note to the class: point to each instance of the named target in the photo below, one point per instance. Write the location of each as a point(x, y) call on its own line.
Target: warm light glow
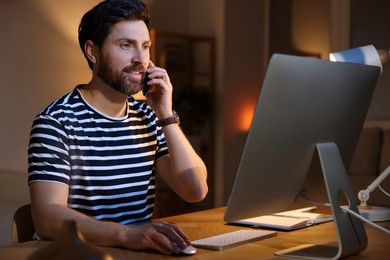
point(247, 112)
point(65, 15)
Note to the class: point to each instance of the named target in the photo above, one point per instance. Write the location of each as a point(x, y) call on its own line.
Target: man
point(95, 152)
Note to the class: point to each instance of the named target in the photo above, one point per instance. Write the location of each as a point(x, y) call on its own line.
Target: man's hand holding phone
point(158, 92)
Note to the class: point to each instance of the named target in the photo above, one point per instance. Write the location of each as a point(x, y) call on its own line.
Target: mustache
point(135, 67)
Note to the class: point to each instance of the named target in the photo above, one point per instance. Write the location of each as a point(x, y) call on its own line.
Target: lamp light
point(368, 55)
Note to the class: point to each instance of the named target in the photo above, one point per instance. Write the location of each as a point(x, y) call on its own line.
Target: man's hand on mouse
point(160, 236)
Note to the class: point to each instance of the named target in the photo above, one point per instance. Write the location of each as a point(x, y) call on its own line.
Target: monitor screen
point(303, 101)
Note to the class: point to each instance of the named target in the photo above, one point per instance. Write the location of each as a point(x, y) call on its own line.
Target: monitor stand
point(350, 231)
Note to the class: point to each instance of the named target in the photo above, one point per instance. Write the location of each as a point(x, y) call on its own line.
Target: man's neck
point(105, 99)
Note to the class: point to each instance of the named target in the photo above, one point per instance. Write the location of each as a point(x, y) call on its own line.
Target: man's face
point(125, 56)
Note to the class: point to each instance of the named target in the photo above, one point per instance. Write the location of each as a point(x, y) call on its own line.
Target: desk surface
point(210, 222)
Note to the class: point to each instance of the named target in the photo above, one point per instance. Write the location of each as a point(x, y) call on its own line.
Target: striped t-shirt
point(108, 163)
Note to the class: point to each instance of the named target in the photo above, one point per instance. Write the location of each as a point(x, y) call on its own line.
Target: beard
point(118, 79)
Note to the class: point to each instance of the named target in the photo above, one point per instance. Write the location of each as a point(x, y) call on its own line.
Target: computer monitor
point(307, 122)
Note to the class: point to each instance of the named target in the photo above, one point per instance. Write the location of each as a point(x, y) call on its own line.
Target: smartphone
point(146, 88)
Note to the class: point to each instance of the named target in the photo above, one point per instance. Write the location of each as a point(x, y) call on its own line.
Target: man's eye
point(125, 45)
point(147, 47)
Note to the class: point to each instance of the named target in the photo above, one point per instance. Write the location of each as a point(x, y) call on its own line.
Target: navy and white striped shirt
point(108, 163)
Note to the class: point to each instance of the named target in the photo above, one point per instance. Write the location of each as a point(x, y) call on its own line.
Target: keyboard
point(232, 239)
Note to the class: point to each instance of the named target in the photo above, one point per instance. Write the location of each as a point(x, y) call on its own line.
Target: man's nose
point(141, 56)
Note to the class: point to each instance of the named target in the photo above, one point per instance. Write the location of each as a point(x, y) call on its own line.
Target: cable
point(319, 203)
point(383, 190)
point(366, 220)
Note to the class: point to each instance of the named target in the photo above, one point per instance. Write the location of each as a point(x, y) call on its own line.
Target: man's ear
point(91, 51)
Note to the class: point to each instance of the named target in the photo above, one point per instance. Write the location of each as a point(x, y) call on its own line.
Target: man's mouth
point(135, 69)
point(136, 73)
point(134, 76)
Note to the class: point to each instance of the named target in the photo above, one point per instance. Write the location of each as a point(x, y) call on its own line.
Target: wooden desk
point(210, 222)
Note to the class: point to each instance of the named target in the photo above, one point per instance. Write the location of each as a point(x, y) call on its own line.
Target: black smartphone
point(146, 88)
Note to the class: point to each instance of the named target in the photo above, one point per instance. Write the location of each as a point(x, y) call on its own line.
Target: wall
point(40, 61)
point(213, 24)
point(245, 63)
point(371, 25)
point(300, 27)
point(164, 19)
point(310, 26)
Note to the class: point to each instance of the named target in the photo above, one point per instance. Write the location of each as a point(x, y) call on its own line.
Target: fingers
point(162, 244)
point(173, 232)
point(169, 238)
point(163, 237)
point(160, 96)
point(157, 74)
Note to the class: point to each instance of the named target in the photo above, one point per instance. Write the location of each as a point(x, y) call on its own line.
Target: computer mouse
point(189, 250)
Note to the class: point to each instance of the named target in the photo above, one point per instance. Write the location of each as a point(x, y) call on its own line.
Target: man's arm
point(49, 211)
point(182, 170)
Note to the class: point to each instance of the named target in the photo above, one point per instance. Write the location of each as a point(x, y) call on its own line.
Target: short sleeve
point(48, 151)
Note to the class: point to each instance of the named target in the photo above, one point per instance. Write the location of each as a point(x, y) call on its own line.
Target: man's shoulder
point(68, 103)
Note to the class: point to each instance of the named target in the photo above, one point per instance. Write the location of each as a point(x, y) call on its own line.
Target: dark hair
point(97, 23)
